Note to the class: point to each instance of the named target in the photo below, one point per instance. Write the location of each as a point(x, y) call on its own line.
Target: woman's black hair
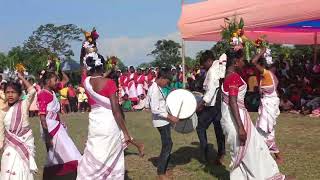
point(14, 85)
point(165, 73)
point(205, 56)
point(47, 76)
point(90, 61)
point(262, 62)
point(233, 55)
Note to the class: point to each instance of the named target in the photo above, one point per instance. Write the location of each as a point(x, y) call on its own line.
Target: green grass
point(297, 136)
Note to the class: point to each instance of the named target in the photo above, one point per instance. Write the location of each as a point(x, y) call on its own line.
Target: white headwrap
point(95, 57)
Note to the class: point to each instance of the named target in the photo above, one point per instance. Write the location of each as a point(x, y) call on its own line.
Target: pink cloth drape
point(202, 21)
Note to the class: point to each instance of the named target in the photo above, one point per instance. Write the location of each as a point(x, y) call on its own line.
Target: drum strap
point(161, 92)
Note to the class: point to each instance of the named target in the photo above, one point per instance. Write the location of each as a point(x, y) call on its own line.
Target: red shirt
point(123, 81)
point(139, 79)
point(71, 92)
point(109, 89)
point(232, 83)
point(44, 98)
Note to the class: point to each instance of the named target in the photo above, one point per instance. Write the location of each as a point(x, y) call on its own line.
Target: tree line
point(56, 40)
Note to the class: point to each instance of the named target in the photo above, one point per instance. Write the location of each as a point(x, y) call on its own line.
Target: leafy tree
point(166, 53)
point(121, 65)
point(281, 52)
point(3, 62)
point(34, 61)
point(219, 48)
point(302, 52)
point(144, 65)
point(189, 62)
point(52, 39)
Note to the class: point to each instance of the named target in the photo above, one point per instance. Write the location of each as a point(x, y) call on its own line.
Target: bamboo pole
point(183, 50)
point(315, 51)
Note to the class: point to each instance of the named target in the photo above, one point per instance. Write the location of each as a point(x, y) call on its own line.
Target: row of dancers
point(251, 146)
point(103, 157)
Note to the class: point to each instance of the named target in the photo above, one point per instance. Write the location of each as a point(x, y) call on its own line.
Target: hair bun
point(93, 60)
point(232, 53)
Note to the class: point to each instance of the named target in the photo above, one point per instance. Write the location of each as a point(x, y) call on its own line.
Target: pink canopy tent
point(283, 21)
point(202, 21)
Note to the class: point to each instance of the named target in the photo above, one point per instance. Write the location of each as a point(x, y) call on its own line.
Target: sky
point(128, 29)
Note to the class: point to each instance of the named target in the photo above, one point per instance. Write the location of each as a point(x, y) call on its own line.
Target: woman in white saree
point(17, 162)
point(103, 156)
point(62, 154)
point(250, 157)
point(269, 106)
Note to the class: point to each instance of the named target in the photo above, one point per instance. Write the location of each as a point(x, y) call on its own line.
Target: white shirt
point(211, 82)
point(157, 104)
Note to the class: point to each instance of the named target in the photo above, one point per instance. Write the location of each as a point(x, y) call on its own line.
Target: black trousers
point(210, 115)
point(73, 104)
point(83, 106)
point(166, 141)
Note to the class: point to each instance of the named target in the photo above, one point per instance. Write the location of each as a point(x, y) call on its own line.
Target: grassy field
point(297, 136)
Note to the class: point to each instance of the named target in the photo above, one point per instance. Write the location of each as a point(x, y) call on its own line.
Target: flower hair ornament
point(90, 38)
point(233, 33)
point(268, 57)
point(233, 37)
point(260, 43)
point(97, 60)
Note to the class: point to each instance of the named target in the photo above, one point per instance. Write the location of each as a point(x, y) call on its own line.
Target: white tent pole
point(315, 48)
point(183, 50)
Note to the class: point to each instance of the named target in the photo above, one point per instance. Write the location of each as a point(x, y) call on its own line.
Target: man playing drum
point(161, 119)
point(209, 109)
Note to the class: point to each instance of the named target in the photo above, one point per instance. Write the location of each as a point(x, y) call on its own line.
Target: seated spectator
point(64, 100)
point(141, 104)
point(316, 68)
point(306, 110)
point(82, 100)
point(126, 104)
point(295, 98)
point(286, 104)
point(191, 84)
point(314, 103)
point(315, 113)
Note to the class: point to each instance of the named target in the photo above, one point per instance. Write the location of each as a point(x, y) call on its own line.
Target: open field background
point(298, 138)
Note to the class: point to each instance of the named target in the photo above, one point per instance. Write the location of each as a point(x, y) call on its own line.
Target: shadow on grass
point(126, 177)
point(70, 176)
point(129, 153)
point(184, 155)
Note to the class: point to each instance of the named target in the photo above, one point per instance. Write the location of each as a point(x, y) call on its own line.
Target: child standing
point(161, 119)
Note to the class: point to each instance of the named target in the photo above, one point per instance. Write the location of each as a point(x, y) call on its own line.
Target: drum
point(186, 126)
point(181, 103)
point(198, 96)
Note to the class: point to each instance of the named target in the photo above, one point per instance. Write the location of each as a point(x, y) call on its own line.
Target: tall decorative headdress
point(97, 60)
point(233, 35)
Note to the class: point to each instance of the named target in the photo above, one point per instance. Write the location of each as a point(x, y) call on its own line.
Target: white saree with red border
point(103, 156)
point(17, 162)
point(253, 160)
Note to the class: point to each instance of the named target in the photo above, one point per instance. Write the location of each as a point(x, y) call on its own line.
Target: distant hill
point(70, 65)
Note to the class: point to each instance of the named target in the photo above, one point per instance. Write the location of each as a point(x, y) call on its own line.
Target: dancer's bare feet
point(163, 177)
point(219, 160)
point(279, 158)
point(290, 178)
point(141, 150)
